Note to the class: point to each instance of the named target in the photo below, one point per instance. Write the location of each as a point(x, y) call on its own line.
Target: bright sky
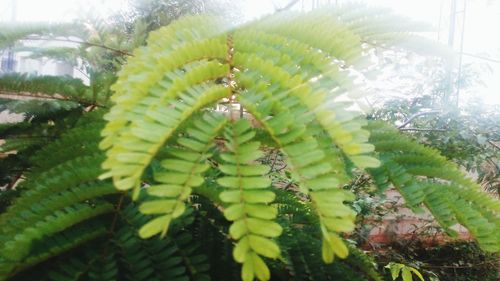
point(480, 37)
point(56, 10)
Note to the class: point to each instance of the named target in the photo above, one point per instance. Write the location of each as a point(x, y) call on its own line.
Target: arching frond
point(60, 206)
point(424, 177)
point(182, 172)
point(248, 202)
point(62, 89)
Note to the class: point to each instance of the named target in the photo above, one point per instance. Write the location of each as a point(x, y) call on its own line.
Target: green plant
point(405, 270)
point(241, 66)
point(466, 135)
point(200, 67)
point(464, 132)
point(455, 260)
point(180, 158)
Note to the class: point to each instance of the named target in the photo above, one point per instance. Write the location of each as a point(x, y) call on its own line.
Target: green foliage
point(182, 171)
point(70, 230)
point(247, 198)
point(464, 131)
point(406, 271)
point(456, 260)
point(63, 91)
point(63, 207)
point(55, 200)
point(157, 13)
point(301, 243)
point(271, 68)
point(465, 135)
point(50, 105)
point(197, 69)
point(425, 177)
point(196, 172)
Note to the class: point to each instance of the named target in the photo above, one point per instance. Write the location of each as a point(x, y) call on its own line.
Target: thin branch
point(281, 168)
point(488, 262)
point(286, 7)
point(83, 73)
point(480, 57)
point(28, 137)
point(493, 144)
point(117, 212)
point(14, 181)
point(289, 184)
point(21, 95)
point(41, 96)
point(122, 52)
point(230, 75)
point(491, 262)
point(111, 230)
point(423, 129)
point(418, 115)
point(274, 162)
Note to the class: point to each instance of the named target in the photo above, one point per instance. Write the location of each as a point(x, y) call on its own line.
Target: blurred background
point(468, 27)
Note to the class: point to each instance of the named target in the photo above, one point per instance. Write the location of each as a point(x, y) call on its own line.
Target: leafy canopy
point(197, 173)
point(290, 73)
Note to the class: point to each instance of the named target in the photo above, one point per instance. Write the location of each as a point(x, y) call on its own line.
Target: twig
point(281, 168)
point(83, 73)
point(274, 162)
point(117, 212)
point(494, 144)
point(290, 183)
point(113, 223)
point(31, 95)
point(122, 52)
point(230, 75)
point(28, 137)
point(417, 115)
point(41, 96)
point(491, 262)
point(12, 184)
point(480, 57)
point(286, 7)
point(423, 129)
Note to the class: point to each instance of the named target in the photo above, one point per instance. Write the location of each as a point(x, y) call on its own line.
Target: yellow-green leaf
point(260, 268)
point(264, 246)
point(238, 229)
point(155, 226)
point(241, 249)
point(263, 227)
point(247, 271)
point(234, 212)
point(157, 206)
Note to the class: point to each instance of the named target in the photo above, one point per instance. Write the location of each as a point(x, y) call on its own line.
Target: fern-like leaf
point(248, 202)
point(183, 172)
point(424, 177)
